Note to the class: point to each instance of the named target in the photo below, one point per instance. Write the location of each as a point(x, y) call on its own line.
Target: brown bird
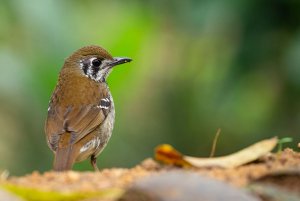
point(81, 111)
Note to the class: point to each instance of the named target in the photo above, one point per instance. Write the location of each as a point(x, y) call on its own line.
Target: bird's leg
point(94, 162)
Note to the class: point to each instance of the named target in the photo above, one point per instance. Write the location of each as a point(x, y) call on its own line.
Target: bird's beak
point(119, 60)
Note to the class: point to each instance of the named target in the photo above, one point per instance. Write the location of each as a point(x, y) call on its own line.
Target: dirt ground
point(279, 170)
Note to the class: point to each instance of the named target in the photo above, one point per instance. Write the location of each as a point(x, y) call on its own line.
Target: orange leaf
point(165, 153)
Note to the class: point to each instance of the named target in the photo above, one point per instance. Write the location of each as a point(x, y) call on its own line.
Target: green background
point(198, 66)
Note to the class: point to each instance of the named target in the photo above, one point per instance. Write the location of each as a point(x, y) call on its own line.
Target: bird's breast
point(79, 90)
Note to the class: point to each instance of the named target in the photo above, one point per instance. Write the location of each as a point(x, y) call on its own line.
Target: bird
point(81, 110)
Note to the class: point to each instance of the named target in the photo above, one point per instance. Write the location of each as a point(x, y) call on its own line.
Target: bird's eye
point(96, 62)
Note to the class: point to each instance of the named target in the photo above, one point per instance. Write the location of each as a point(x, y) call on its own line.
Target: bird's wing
point(79, 121)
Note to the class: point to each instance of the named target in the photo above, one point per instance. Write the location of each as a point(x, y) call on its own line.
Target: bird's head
point(93, 62)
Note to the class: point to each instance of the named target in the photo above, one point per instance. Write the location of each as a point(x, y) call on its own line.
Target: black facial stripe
point(95, 70)
point(85, 66)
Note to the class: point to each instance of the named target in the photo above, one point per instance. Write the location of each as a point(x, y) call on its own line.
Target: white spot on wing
point(107, 100)
point(102, 107)
point(93, 144)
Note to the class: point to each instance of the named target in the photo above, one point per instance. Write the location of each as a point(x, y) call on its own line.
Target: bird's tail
point(65, 154)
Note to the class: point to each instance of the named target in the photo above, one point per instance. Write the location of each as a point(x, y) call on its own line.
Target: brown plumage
point(81, 110)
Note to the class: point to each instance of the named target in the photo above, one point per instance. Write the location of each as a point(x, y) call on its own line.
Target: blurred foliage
point(198, 66)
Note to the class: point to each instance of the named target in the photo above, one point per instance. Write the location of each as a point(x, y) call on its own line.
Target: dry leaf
point(167, 154)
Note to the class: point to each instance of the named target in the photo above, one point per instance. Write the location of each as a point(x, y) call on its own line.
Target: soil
point(278, 169)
